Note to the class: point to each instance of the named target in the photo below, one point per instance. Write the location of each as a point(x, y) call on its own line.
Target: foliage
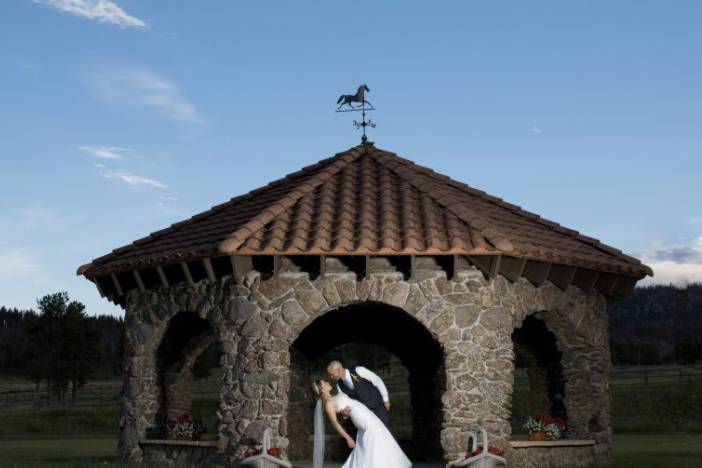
point(657, 325)
point(553, 427)
point(62, 346)
point(182, 427)
point(16, 327)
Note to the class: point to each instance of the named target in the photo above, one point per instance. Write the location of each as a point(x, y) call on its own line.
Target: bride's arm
point(331, 412)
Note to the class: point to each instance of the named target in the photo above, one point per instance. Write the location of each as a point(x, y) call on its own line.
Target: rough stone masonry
point(472, 318)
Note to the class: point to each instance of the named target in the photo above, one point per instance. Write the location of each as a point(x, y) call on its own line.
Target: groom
point(363, 385)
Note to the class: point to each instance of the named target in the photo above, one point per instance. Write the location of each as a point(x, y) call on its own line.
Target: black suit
point(365, 392)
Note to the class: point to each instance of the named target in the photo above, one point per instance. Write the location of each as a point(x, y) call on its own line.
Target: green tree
point(63, 346)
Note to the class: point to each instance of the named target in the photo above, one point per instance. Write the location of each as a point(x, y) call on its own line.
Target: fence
point(28, 396)
point(644, 375)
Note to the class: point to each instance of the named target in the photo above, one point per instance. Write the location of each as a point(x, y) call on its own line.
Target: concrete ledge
point(188, 443)
point(551, 443)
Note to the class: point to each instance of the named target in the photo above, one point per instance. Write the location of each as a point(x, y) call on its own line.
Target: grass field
point(81, 435)
point(631, 451)
point(657, 451)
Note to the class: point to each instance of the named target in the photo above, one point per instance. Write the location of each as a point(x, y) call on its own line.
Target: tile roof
point(366, 201)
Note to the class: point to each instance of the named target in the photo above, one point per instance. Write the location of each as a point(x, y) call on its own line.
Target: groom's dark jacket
point(365, 392)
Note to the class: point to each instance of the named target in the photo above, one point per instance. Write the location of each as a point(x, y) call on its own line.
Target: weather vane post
point(365, 106)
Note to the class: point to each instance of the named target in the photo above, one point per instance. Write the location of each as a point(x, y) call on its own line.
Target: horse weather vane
point(348, 99)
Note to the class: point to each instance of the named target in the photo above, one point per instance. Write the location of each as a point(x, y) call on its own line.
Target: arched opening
point(539, 385)
point(189, 375)
point(408, 357)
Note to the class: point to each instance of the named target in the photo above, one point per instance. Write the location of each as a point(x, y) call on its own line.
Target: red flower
point(549, 420)
point(183, 418)
point(493, 450)
point(275, 451)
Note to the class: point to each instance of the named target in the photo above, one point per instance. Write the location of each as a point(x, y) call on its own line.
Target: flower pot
point(539, 436)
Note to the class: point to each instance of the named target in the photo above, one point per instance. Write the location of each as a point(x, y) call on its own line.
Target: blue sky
point(121, 117)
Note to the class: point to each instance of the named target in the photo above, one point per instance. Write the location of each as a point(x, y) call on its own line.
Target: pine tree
point(63, 345)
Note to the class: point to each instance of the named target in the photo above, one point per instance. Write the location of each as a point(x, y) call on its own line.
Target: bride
point(374, 446)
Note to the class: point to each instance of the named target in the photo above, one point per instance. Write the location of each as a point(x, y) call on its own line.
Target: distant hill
point(657, 325)
point(15, 326)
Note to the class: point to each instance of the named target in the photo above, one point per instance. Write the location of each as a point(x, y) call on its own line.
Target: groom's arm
point(377, 382)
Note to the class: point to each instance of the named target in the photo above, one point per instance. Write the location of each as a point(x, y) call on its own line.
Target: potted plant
point(554, 428)
point(541, 427)
point(182, 428)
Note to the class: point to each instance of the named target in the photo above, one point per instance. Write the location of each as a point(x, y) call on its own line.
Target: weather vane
point(365, 106)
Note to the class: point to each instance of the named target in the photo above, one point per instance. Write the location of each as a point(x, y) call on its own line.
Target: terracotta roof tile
point(366, 201)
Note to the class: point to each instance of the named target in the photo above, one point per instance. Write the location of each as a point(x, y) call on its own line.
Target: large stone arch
point(579, 323)
point(401, 335)
point(536, 350)
point(147, 319)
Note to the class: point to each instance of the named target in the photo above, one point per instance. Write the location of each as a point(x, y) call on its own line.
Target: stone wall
point(471, 318)
point(553, 457)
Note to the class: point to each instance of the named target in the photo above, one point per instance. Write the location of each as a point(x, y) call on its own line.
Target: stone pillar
point(140, 391)
point(256, 391)
point(581, 328)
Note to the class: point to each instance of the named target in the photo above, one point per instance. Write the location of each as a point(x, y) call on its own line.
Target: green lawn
point(631, 451)
point(74, 452)
point(657, 451)
point(83, 435)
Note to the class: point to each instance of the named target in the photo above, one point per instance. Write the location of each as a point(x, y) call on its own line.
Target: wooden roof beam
point(162, 276)
point(139, 282)
point(512, 268)
point(585, 279)
point(115, 282)
point(207, 263)
point(488, 264)
point(625, 286)
point(99, 288)
point(562, 275)
point(537, 272)
point(187, 274)
point(322, 266)
point(606, 283)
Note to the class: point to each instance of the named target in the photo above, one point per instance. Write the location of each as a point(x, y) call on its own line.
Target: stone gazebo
point(367, 247)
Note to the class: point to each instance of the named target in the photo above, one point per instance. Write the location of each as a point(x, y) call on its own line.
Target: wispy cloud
point(536, 130)
point(143, 88)
point(104, 152)
point(695, 220)
point(15, 264)
point(676, 263)
point(102, 11)
point(168, 206)
point(133, 179)
point(36, 216)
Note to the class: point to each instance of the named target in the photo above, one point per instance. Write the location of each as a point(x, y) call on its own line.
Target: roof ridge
point(237, 238)
point(468, 216)
point(518, 210)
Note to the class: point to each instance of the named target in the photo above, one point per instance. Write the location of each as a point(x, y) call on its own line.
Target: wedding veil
point(318, 453)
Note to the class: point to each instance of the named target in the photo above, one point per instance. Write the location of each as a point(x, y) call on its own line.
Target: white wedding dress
point(375, 445)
